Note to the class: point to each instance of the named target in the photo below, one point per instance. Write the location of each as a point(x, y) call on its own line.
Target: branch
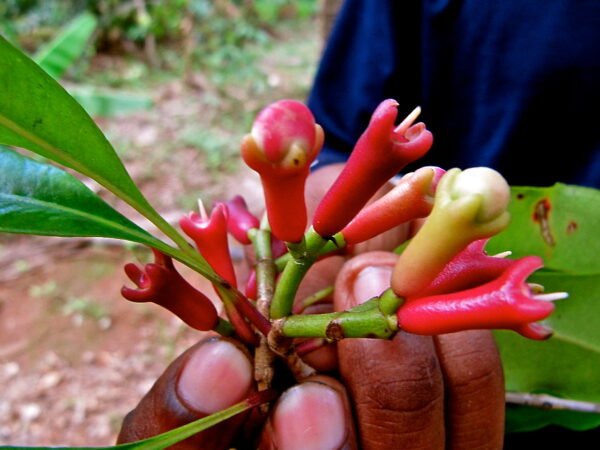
point(549, 402)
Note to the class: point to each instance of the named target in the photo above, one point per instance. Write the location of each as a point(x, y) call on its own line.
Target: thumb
point(210, 376)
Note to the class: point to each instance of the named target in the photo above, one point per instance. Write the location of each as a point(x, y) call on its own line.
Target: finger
point(210, 376)
point(315, 414)
point(474, 389)
point(396, 385)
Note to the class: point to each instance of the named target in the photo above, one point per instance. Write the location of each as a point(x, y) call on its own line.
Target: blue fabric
point(512, 84)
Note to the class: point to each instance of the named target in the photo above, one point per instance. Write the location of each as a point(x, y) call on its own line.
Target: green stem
point(318, 296)
point(304, 255)
point(332, 245)
point(264, 371)
point(362, 322)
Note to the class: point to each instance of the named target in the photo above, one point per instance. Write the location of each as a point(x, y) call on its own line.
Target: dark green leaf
point(567, 365)
point(37, 114)
point(37, 198)
point(59, 54)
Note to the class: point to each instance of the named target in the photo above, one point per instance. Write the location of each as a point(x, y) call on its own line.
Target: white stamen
point(502, 254)
point(408, 121)
point(202, 209)
point(551, 296)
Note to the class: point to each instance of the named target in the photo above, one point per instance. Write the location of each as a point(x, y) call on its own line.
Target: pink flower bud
point(159, 282)
point(469, 205)
point(240, 221)
point(283, 143)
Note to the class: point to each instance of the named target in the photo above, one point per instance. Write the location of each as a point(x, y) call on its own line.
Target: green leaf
point(567, 365)
point(561, 225)
point(36, 113)
point(105, 103)
point(37, 198)
point(59, 54)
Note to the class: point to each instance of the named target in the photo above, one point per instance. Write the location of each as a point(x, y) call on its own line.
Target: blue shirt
point(512, 84)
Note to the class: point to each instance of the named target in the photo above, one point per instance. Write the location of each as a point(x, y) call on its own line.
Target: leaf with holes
point(558, 223)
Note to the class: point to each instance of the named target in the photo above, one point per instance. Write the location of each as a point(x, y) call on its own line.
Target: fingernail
point(310, 415)
point(371, 282)
point(216, 376)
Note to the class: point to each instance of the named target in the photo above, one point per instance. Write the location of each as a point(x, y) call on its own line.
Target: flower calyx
point(411, 198)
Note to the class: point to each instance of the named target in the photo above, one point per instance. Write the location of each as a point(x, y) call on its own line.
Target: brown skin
point(411, 392)
point(163, 409)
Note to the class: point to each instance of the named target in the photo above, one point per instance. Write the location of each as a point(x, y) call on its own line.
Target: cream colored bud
point(487, 183)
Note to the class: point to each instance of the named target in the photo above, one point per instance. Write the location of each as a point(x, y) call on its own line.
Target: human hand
point(410, 392)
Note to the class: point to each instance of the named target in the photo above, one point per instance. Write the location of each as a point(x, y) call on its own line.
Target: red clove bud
point(159, 282)
point(504, 303)
point(239, 220)
point(210, 236)
point(411, 198)
point(283, 143)
point(379, 154)
point(470, 268)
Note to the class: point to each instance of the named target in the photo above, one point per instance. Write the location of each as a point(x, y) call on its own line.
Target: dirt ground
point(74, 356)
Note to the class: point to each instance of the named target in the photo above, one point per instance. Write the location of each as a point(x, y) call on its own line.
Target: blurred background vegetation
point(209, 32)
